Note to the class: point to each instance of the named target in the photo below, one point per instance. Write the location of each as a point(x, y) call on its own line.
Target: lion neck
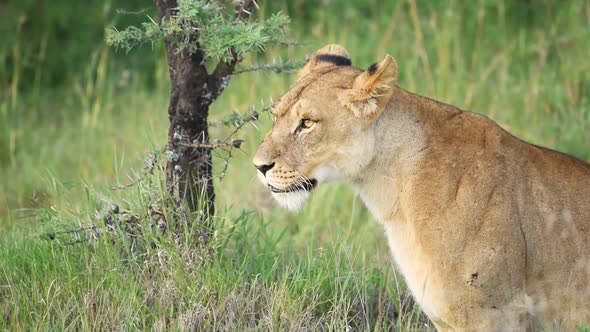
point(403, 133)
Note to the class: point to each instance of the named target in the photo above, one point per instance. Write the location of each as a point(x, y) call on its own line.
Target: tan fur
point(490, 232)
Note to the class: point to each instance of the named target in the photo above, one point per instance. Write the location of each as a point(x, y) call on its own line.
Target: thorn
point(237, 143)
point(151, 19)
point(254, 115)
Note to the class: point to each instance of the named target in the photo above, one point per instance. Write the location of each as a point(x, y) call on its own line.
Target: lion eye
point(307, 123)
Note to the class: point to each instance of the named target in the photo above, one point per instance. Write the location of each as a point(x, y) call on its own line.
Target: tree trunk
point(189, 170)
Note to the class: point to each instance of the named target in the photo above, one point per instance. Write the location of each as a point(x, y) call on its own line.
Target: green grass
point(327, 267)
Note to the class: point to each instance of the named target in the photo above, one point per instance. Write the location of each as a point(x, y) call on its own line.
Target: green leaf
point(215, 34)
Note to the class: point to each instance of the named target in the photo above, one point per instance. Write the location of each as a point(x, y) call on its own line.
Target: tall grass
point(326, 268)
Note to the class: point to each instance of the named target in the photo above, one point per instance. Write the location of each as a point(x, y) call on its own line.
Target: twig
point(129, 12)
point(53, 235)
point(236, 143)
point(224, 69)
point(278, 68)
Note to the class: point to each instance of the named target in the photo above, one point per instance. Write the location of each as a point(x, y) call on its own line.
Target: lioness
point(490, 232)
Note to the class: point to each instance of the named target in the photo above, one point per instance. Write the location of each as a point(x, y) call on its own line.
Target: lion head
point(323, 129)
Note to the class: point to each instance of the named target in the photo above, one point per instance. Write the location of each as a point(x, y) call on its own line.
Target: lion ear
point(372, 90)
point(329, 55)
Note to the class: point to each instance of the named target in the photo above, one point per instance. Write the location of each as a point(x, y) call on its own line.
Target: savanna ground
point(78, 119)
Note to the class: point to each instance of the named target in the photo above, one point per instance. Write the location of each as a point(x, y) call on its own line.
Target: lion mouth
point(307, 185)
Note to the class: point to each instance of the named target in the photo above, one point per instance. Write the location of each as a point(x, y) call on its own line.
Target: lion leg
point(483, 319)
point(487, 292)
point(508, 319)
point(473, 311)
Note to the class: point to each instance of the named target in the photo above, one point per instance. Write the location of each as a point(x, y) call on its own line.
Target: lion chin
point(292, 201)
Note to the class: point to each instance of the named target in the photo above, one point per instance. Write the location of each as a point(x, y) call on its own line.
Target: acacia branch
point(281, 67)
point(165, 7)
point(236, 143)
point(224, 68)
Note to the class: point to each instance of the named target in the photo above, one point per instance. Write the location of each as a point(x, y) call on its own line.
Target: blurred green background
point(77, 117)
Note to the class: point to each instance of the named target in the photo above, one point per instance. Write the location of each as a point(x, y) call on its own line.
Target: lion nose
point(264, 168)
